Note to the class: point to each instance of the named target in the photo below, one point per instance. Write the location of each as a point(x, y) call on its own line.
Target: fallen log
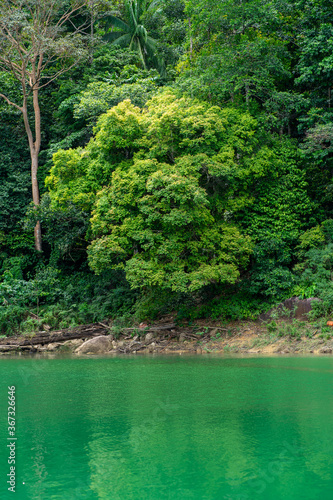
point(43, 338)
point(11, 348)
point(28, 342)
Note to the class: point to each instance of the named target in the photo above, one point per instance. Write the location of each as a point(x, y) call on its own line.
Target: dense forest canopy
point(183, 154)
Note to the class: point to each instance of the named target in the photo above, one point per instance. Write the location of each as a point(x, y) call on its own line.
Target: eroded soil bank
point(167, 336)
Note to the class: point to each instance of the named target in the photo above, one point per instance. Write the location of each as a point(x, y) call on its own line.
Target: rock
point(53, 346)
point(97, 345)
point(40, 348)
point(325, 350)
point(149, 337)
point(213, 332)
point(293, 307)
point(74, 342)
point(151, 347)
point(77, 342)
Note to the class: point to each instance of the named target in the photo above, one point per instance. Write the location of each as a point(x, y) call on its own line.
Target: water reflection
point(191, 428)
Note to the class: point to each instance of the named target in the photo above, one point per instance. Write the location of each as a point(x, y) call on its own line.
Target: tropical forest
point(166, 249)
point(164, 156)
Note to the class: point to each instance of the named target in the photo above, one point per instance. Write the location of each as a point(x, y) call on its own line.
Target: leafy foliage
point(170, 183)
point(132, 83)
point(213, 196)
point(316, 266)
point(61, 301)
point(132, 33)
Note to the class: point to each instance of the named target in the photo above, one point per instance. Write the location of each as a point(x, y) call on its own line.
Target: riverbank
point(167, 336)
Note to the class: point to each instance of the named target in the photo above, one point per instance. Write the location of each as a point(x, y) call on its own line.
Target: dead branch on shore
point(162, 336)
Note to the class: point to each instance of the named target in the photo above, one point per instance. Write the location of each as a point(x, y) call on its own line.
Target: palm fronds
point(130, 31)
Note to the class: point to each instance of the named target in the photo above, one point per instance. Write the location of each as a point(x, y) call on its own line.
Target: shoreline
point(280, 337)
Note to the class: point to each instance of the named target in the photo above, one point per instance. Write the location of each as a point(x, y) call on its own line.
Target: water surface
point(170, 428)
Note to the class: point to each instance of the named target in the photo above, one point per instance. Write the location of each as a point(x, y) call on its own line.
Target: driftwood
point(163, 335)
point(151, 329)
point(134, 346)
point(25, 342)
point(7, 348)
point(43, 338)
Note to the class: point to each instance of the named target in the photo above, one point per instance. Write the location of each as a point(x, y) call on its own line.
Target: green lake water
point(170, 428)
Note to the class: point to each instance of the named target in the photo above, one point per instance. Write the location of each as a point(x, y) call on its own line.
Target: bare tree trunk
point(23, 40)
point(92, 19)
point(35, 198)
point(191, 40)
point(34, 147)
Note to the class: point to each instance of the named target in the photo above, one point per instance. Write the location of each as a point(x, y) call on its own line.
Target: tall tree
point(39, 41)
point(130, 31)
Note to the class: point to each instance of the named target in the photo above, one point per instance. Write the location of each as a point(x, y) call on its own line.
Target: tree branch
point(11, 103)
point(60, 72)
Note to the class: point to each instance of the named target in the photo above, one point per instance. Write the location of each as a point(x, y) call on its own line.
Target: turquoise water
point(170, 428)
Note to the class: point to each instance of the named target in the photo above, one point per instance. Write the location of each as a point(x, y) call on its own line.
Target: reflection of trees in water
point(166, 436)
point(52, 430)
point(136, 419)
point(39, 452)
point(147, 428)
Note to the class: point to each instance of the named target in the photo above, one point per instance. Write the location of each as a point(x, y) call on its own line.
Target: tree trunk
point(35, 155)
point(35, 198)
point(34, 147)
point(45, 337)
point(92, 19)
point(191, 40)
point(24, 36)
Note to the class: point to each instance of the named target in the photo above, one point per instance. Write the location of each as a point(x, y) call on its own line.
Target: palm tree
point(131, 32)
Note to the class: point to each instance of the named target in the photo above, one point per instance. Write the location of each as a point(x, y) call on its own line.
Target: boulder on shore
point(96, 345)
point(291, 308)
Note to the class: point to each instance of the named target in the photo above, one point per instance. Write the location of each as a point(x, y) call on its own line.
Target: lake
point(172, 427)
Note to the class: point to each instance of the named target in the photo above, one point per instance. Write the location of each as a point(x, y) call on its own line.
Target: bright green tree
point(166, 186)
point(157, 219)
